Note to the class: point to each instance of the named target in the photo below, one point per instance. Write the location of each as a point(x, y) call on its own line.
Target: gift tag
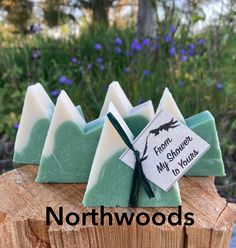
point(168, 149)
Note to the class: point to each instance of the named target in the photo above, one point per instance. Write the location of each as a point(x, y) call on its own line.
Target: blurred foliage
point(54, 14)
point(18, 13)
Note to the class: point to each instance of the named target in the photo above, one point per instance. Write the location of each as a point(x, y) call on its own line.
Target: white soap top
point(110, 142)
point(64, 111)
point(145, 109)
point(168, 103)
point(116, 95)
point(37, 105)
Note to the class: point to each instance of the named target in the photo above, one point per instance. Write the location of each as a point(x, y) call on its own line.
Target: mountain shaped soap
point(110, 179)
point(203, 124)
point(133, 116)
point(69, 145)
point(168, 103)
point(71, 142)
point(211, 163)
point(35, 120)
point(116, 95)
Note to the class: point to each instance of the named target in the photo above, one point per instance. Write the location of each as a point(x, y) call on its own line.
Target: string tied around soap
point(139, 177)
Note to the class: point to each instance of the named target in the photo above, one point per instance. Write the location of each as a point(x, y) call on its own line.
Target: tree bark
point(100, 10)
point(147, 18)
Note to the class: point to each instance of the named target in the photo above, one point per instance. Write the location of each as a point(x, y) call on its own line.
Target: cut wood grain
point(23, 206)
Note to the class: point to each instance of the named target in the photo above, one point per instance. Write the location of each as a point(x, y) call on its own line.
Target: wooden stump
point(23, 206)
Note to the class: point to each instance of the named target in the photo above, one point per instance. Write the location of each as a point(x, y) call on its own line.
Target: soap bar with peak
point(69, 147)
point(211, 163)
point(110, 179)
point(71, 142)
point(168, 103)
point(117, 96)
point(35, 120)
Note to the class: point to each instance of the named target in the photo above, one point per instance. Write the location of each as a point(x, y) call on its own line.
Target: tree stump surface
point(23, 211)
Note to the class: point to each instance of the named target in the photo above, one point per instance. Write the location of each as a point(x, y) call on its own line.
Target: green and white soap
point(69, 149)
point(110, 179)
point(133, 116)
point(70, 145)
point(117, 96)
point(203, 124)
point(168, 103)
point(35, 120)
point(211, 163)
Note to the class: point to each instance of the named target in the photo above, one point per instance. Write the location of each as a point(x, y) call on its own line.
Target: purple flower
point(135, 45)
point(99, 60)
point(73, 60)
point(55, 92)
point(167, 38)
point(32, 29)
point(173, 29)
point(128, 53)
point(219, 86)
point(191, 46)
point(126, 70)
point(16, 125)
point(191, 49)
point(146, 42)
point(102, 67)
point(183, 58)
point(190, 52)
point(89, 66)
point(154, 47)
point(182, 51)
point(98, 46)
point(172, 51)
point(118, 41)
point(35, 54)
point(146, 72)
point(117, 50)
point(181, 83)
point(64, 80)
point(201, 41)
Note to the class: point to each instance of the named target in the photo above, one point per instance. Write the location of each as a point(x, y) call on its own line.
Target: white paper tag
point(168, 149)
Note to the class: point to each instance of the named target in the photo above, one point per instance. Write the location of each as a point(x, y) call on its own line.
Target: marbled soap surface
point(32, 152)
point(211, 163)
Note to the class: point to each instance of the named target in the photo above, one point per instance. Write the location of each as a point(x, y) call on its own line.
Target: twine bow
point(139, 177)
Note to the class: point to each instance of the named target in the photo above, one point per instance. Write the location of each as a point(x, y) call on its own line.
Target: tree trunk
point(147, 18)
point(100, 10)
point(23, 208)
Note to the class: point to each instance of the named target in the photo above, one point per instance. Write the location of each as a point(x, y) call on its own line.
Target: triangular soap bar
point(211, 163)
point(116, 95)
point(71, 142)
point(168, 103)
point(67, 148)
point(110, 179)
point(35, 120)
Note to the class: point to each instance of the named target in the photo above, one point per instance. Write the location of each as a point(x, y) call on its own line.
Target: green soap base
point(72, 156)
point(74, 151)
point(32, 152)
point(113, 187)
point(211, 163)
